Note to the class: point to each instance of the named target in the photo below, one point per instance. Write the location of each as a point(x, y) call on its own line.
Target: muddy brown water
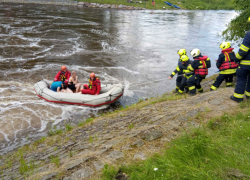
point(119, 46)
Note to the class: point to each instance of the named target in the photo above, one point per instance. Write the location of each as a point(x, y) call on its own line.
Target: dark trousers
point(178, 82)
point(194, 83)
point(227, 77)
point(243, 83)
point(183, 85)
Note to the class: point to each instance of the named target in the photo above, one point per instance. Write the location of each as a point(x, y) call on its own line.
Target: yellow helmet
point(182, 52)
point(195, 52)
point(225, 45)
point(184, 58)
point(248, 20)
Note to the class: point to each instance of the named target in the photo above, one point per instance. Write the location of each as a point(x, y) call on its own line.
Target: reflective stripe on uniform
point(229, 84)
point(188, 76)
point(238, 95)
point(177, 87)
point(213, 87)
point(201, 89)
point(180, 91)
point(190, 68)
point(238, 56)
point(228, 71)
point(245, 62)
point(186, 71)
point(244, 48)
point(177, 68)
point(173, 73)
point(191, 88)
point(247, 93)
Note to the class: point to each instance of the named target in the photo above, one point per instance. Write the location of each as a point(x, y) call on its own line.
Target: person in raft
point(59, 86)
point(94, 86)
point(63, 75)
point(73, 83)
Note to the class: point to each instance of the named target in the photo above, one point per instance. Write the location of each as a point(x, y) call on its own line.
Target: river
point(118, 45)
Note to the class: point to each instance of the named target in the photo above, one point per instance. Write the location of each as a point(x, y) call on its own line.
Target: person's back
point(200, 67)
point(227, 66)
point(55, 85)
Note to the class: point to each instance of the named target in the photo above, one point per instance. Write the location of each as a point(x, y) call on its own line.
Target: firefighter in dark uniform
point(185, 62)
point(200, 67)
point(243, 71)
point(177, 70)
point(227, 66)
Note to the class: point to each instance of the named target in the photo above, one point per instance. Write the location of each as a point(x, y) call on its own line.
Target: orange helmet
point(63, 68)
point(92, 75)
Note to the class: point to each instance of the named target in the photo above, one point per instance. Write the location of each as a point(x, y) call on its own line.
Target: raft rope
point(140, 84)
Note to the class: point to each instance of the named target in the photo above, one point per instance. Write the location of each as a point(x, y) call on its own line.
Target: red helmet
point(63, 68)
point(92, 75)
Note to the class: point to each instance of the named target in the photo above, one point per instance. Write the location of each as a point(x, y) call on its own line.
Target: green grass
point(68, 127)
point(218, 150)
point(55, 131)
point(26, 167)
point(55, 160)
point(184, 4)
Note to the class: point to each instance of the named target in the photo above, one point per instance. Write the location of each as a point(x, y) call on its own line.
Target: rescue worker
point(227, 66)
point(63, 75)
point(94, 86)
point(183, 67)
point(179, 78)
point(200, 67)
point(243, 71)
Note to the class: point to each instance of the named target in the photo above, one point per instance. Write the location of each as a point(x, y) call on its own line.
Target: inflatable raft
point(108, 95)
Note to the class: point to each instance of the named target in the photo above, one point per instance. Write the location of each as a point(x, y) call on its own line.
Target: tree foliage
point(237, 28)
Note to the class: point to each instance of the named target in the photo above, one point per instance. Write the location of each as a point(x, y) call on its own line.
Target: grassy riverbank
point(118, 141)
point(184, 4)
point(218, 149)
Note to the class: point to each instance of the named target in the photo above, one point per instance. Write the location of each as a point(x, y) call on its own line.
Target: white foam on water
point(107, 48)
point(21, 109)
point(100, 32)
point(43, 126)
point(127, 92)
point(117, 68)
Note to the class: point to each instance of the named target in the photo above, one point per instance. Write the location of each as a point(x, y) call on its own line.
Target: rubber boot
point(186, 90)
point(192, 94)
point(201, 91)
point(236, 99)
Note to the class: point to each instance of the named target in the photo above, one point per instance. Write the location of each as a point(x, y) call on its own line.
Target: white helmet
point(195, 52)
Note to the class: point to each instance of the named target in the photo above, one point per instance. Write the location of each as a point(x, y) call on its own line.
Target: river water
point(119, 46)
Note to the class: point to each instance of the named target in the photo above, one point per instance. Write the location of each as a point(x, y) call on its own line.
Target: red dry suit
point(63, 76)
point(93, 88)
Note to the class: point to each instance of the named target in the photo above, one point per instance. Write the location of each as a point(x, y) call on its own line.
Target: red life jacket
point(201, 70)
point(228, 63)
